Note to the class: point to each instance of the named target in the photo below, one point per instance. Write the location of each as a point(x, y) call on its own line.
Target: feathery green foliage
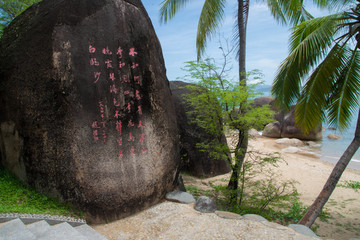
point(216, 102)
point(210, 87)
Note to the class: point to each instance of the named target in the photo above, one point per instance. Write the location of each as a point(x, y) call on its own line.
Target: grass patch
point(15, 197)
point(355, 185)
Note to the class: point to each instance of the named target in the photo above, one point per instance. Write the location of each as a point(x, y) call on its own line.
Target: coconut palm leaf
point(170, 7)
point(308, 45)
point(211, 16)
point(292, 11)
point(344, 100)
point(314, 96)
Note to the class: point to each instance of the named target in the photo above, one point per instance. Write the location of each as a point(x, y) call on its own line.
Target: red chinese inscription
point(132, 99)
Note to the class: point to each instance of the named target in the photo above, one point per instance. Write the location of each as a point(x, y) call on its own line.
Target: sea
point(330, 150)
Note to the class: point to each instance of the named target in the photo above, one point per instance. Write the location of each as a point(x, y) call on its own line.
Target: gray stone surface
point(60, 232)
point(303, 230)
point(228, 215)
point(272, 130)
point(89, 232)
point(39, 228)
point(205, 204)
point(28, 218)
point(290, 130)
point(181, 197)
point(286, 127)
point(15, 230)
point(254, 217)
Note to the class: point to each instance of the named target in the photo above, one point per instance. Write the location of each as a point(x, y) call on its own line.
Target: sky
point(267, 40)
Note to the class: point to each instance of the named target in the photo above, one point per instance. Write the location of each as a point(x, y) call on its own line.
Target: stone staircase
point(46, 229)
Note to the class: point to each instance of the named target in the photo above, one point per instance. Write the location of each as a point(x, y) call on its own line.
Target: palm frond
point(288, 11)
point(313, 99)
point(211, 15)
point(309, 42)
point(276, 11)
point(344, 99)
point(169, 8)
point(335, 4)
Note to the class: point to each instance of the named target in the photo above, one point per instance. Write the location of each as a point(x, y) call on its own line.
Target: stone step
point(43, 230)
point(15, 230)
point(62, 231)
point(90, 233)
point(39, 228)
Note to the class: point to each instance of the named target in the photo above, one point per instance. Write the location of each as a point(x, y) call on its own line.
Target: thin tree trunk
point(240, 152)
point(243, 10)
point(241, 148)
point(309, 218)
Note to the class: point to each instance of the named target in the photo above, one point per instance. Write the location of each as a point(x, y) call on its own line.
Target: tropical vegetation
point(322, 76)
point(211, 16)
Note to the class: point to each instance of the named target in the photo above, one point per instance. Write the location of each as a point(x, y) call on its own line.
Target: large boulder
point(291, 130)
point(272, 130)
point(265, 100)
point(285, 127)
point(195, 161)
point(86, 110)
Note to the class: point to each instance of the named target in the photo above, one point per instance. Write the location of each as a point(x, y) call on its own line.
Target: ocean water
point(330, 150)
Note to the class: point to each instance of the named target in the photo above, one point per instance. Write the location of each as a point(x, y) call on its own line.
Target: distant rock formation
point(333, 137)
point(86, 111)
point(285, 126)
point(196, 162)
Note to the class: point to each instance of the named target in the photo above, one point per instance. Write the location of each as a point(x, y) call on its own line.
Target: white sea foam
point(337, 158)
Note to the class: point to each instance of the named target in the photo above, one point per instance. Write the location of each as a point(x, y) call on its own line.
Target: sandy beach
point(310, 173)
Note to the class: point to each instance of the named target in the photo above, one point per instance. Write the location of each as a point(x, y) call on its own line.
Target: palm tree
point(211, 15)
point(324, 56)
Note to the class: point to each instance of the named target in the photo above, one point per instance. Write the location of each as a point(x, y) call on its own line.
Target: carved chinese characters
point(124, 89)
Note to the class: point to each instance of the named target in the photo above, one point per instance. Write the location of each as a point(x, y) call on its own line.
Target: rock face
point(181, 197)
point(254, 133)
point(290, 130)
point(285, 127)
point(272, 130)
point(198, 163)
point(86, 110)
point(290, 142)
point(205, 205)
point(333, 137)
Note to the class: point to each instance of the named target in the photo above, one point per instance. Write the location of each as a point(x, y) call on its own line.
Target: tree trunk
point(309, 218)
point(243, 11)
point(241, 148)
point(240, 152)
